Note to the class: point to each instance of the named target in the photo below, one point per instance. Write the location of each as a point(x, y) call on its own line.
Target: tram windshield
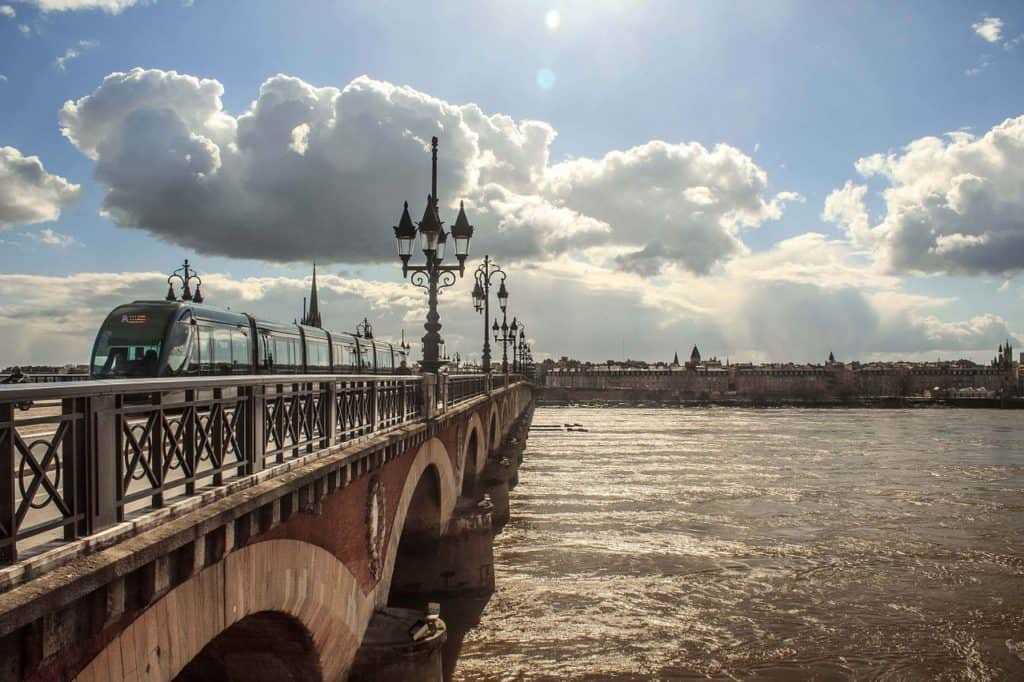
point(130, 342)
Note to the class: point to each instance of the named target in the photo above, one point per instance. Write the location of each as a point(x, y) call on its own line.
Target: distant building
point(829, 381)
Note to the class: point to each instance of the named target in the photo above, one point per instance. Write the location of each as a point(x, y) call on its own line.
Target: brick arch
point(289, 577)
point(432, 454)
point(472, 463)
point(494, 421)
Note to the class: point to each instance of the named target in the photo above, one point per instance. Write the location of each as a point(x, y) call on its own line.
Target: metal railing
point(76, 458)
point(462, 387)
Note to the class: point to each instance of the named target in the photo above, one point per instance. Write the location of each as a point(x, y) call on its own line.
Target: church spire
point(312, 318)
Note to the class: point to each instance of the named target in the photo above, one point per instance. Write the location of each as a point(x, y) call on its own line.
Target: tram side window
point(241, 358)
point(345, 358)
point(317, 355)
point(205, 348)
point(266, 349)
point(287, 353)
point(222, 349)
point(383, 360)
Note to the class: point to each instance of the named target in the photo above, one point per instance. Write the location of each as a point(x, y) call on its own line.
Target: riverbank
point(884, 402)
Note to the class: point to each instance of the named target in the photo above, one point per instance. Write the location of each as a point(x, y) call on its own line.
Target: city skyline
point(858, 192)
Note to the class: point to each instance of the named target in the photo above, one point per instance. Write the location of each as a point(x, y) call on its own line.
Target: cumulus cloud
point(28, 194)
point(989, 28)
point(321, 171)
point(678, 203)
point(7, 11)
point(953, 205)
point(796, 301)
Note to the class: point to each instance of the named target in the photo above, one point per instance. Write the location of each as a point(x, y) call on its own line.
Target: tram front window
point(129, 345)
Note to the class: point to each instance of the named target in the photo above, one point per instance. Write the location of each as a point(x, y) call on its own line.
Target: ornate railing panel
point(79, 457)
point(465, 386)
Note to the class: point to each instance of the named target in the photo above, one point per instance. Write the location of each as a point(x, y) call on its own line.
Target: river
point(760, 544)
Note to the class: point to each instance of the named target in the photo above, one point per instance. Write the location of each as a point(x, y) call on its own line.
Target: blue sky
point(801, 90)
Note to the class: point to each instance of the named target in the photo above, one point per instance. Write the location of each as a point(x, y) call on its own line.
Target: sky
point(770, 180)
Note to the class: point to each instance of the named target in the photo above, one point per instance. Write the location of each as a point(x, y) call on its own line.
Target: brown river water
point(760, 544)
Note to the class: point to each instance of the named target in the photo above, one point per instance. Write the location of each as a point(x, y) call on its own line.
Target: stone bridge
point(248, 528)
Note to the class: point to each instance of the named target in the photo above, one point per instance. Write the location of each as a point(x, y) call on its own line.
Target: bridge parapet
point(79, 458)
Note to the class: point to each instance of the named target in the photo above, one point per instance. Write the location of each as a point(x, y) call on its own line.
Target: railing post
point(74, 477)
point(255, 438)
point(405, 401)
point(103, 461)
point(429, 395)
point(374, 405)
point(156, 448)
point(188, 445)
point(296, 398)
point(217, 435)
point(8, 533)
point(329, 406)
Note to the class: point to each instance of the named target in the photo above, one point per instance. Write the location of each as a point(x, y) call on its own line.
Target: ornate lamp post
point(518, 345)
point(433, 275)
point(185, 274)
point(365, 330)
point(485, 275)
point(505, 335)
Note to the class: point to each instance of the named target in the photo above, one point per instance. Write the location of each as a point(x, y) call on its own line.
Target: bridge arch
point(263, 647)
point(430, 486)
point(473, 457)
point(493, 429)
point(288, 584)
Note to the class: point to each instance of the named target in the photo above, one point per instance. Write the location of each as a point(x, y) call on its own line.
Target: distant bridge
point(244, 527)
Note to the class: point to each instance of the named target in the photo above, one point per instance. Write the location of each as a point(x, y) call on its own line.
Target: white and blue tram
point(163, 338)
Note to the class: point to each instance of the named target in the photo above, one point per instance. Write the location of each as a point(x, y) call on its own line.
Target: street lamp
point(185, 274)
point(365, 330)
point(504, 335)
point(433, 275)
point(485, 275)
point(517, 348)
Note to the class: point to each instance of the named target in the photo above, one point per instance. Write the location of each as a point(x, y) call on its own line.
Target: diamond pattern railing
point(77, 457)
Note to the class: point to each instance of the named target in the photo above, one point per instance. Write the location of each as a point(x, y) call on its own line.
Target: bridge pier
point(467, 550)
point(389, 654)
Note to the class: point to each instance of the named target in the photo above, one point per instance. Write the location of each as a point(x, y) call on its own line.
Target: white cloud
point(953, 205)
point(3, 78)
point(51, 238)
point(989, 28)
point(73, 53)
point(7, 11)
point(983, 64)
point(25, 30)
point(310, 171)
point(28, 194)
point(109, 6)
point(796, 301)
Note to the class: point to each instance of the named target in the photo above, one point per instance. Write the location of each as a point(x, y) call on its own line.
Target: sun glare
point(552, 19)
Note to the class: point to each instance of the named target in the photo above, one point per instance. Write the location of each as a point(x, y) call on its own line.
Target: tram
point(183, 338)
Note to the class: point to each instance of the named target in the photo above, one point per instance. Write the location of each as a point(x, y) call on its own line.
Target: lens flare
point(546, 78)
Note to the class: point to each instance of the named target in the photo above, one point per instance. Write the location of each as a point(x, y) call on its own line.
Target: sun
point(552, 19)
